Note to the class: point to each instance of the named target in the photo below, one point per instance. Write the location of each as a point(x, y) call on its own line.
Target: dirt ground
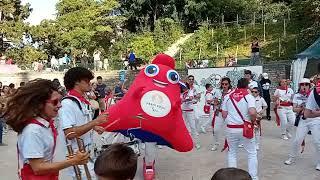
point(201, 164)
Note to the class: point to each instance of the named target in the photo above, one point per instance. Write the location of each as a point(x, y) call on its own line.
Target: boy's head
point(209, 87)
point(99, 80)
point(231, 173)
point(255, 92)
point(248, 74)
point(118, 162)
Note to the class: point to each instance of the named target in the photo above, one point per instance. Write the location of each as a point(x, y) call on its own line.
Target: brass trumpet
point(81, 148)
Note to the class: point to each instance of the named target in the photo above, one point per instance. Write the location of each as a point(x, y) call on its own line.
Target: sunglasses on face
point(304, 84)
point(224, 84)
point(254, 92)
point(54, 102)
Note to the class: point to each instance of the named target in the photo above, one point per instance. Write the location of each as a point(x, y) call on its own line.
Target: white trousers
point(234, 139)
point(302, 130)
point(257, 135)
point(208, 120)
point(190, 122)
point(287, 118)
point(150, 152)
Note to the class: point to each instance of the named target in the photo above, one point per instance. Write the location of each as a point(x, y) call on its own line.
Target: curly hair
point(27, 102)
point(76, 74)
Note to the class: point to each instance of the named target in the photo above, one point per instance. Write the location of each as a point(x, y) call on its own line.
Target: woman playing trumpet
point(30, 112)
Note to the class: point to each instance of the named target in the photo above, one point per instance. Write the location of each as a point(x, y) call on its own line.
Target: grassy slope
point(232, 38)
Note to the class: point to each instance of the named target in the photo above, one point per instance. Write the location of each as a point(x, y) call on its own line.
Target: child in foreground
point(231, 174)
point(118, 162)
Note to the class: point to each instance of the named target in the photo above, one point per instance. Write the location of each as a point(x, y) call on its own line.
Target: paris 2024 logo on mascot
point(155, 97)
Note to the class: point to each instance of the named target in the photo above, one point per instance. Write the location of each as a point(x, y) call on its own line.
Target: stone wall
point(275, 71)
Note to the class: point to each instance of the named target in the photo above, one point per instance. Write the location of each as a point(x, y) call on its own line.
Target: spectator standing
point(255, 52)
point(132, 60)
point(97, 60)
point(265, 84)
point(101, 89)
point(252, 84)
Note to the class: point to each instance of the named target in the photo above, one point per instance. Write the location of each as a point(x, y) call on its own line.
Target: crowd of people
point(39, 107)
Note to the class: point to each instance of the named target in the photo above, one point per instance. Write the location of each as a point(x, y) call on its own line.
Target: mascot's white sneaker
point(318, 167)
point(148, 171)
point(290, 161)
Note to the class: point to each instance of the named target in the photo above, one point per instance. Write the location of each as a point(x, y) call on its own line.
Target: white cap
point(304, 80)
point(265, 75)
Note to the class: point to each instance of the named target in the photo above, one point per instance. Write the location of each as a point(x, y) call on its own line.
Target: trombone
point(81, 148)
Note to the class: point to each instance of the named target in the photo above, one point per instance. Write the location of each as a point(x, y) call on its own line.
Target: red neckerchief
point(283, 88)
point(209, 92)
point(79, 96)
point(305, 93)
point(239, 93)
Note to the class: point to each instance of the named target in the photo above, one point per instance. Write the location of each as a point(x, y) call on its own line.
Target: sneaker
point(257, 147)
point(197, 146)
point(289, 135)
point(318, 167)
point(160, 146)
point(148, 171)
point(269, 118)
point(214, 147)
point(203, 130)
point(289, 161)
point(284, 137)
point(240, 146)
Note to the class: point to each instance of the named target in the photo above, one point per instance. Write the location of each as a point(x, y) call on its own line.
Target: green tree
point(86, 24)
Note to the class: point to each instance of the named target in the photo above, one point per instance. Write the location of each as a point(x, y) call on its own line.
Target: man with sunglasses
point(76, 115)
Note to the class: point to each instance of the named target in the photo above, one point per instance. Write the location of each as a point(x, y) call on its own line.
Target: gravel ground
point(201, 164)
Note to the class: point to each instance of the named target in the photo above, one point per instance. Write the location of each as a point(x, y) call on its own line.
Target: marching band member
point(30, 112)
point(76, 116)
point(217, 120)
point(188, 114)
point(284, 112)
point(261, 106)
point(306, 106)
point(238, 109)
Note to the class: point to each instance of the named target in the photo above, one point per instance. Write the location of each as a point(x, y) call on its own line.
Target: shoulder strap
point(74, 100)
point(235, 106)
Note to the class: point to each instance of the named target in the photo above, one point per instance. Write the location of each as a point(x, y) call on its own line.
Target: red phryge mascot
point(151, 110)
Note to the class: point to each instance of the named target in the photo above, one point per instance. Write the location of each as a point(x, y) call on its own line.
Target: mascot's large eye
point(173, 76)
point(151, 70)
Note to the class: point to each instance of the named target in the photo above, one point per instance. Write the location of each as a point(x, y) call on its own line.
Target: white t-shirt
point(209, 97)
point(260, 103)
point(312, 104)
point(36, 141)
point(299, 99)
point(187, 105)
point(243, 105)
point(70, 115)
point(252, 84)
point(284, 95)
